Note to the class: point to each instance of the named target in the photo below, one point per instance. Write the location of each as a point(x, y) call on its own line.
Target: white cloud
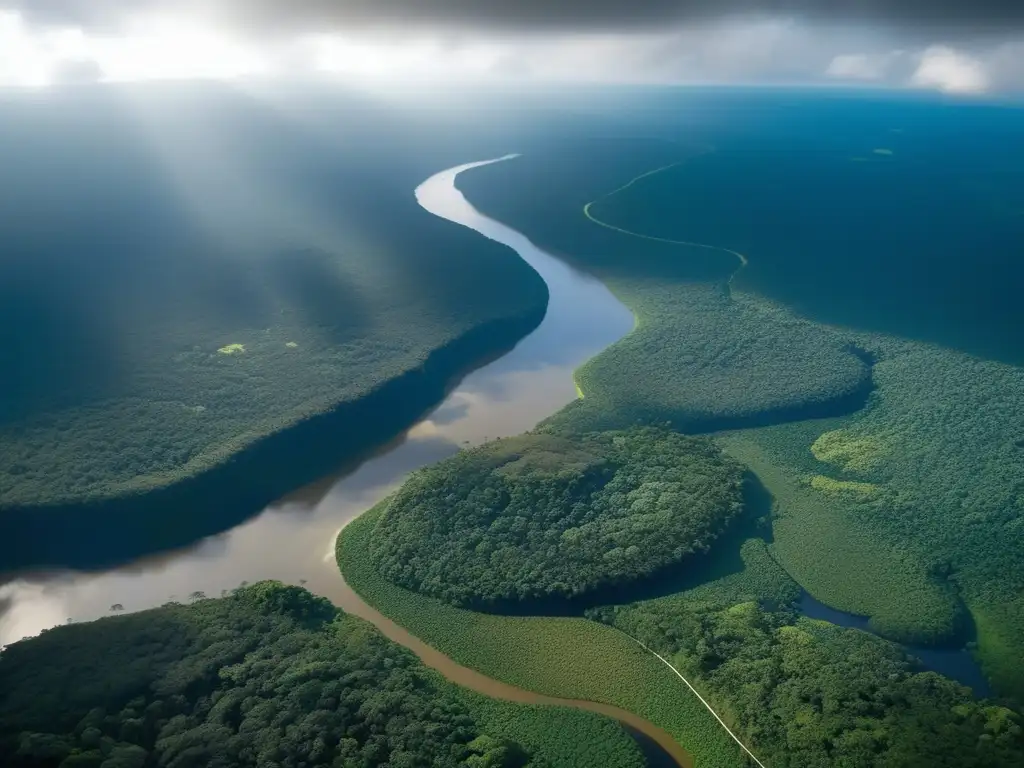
point(145, 49)
point(24, 58)
point(762, 50)
point(1005, 66)
point(950, 70)
point(742, 50)
point(863, 66)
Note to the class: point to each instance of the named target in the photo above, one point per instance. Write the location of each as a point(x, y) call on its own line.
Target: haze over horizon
point(954, 47)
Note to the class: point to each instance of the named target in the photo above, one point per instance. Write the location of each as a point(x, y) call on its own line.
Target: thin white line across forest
point(721, 722)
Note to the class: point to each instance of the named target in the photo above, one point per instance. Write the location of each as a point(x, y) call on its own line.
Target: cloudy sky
point(958, 46)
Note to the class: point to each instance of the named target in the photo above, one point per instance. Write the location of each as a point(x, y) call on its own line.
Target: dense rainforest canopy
point(269, 676)
point(695, 358)
point(153, 329)
point(920, 485)
point(540, 516)
point(809, 694)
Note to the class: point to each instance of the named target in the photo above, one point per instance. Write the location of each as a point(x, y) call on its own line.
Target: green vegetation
point(956, 492)
point(809, 694)
point(566, 657)
point(541, 516)
point(696, 358)
point(800, 692)
point(268, 676)
point(907, 512)
point(839, 558)
point(848, 453)
point(918, 506)
point(830, 486)
point(999, 644)
point(291, 320)
point(553, 737)
point(701, 362)
point(141, 432)
point(942, 523)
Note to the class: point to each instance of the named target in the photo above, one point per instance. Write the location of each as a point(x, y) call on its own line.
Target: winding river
point(293, 539)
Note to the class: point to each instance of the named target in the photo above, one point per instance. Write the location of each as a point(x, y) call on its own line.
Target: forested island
point(270, 675)
point(528, 519)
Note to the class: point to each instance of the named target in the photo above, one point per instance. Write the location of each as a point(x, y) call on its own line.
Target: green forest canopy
point(270, 675)
point(695, 358)
point(808, 694)
point(943, 503)
point(540, 516)
point(293, 278)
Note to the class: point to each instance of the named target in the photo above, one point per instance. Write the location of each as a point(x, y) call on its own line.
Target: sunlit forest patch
point(858, 454)
point(829, 485)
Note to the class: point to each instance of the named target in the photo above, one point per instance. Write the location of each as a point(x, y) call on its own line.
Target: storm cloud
point(951, 19)
point(961, 46)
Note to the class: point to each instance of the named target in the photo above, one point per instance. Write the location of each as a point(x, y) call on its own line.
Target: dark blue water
point(958, 665)
point(902, 215)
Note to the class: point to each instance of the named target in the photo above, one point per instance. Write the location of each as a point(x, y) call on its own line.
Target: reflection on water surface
point(292, 539)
